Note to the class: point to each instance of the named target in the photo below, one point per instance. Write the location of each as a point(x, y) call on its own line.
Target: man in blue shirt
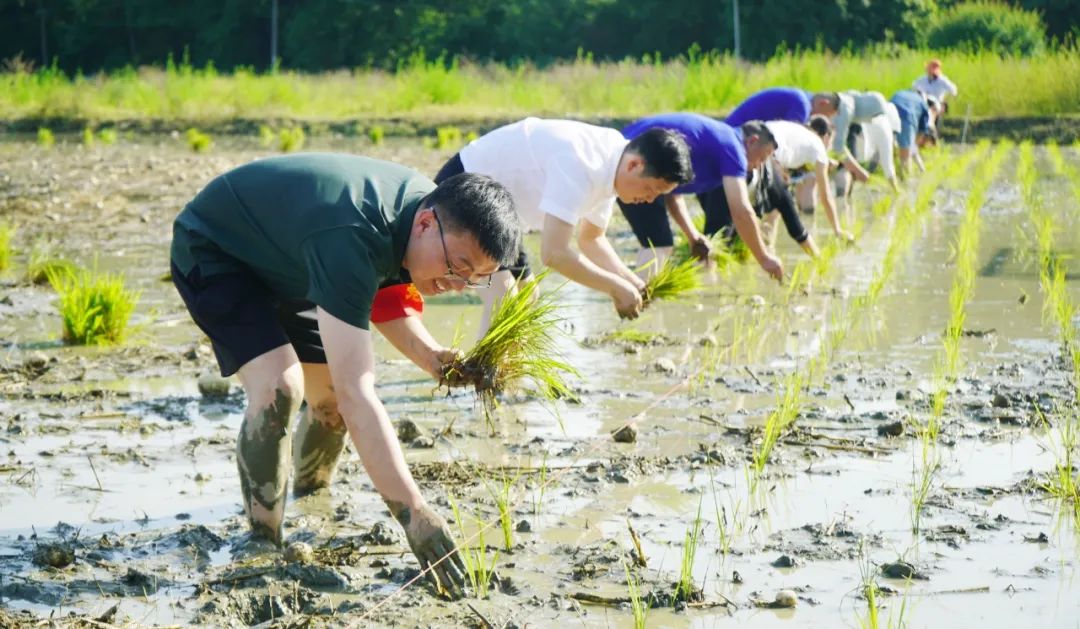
point(721, 156)
point(784, 103)
point(916, 126)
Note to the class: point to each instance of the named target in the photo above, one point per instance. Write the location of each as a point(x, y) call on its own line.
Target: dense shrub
point(977, 26)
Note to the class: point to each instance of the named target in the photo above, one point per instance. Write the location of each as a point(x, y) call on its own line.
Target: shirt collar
point(401, 228)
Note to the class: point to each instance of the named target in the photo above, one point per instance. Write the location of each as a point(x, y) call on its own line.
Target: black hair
point(820, 125)
point(665, 153)
point(832, 97)
point(758, 128)
point(481, 206)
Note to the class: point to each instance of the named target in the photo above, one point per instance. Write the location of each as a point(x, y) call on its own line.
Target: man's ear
point(634, 163)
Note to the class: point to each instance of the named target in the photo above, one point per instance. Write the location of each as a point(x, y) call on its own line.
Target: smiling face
point(632, 185)
point(440, 262)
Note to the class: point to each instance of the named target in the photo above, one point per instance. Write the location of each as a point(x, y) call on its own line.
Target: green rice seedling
point(95, 307)
point(727, 528)
point(638, 605)
point(685, 588)
point(674, 281)
point(477, 567)
point(7, 234)
point(107, 135)
point(266, 136)
point(541, 487)
point(291, 139)
point(520, 345)
point(376, 134)
point(787, 410)
point(197, 140)
point(501, 496)
point(45, 137)
point(870, 591)
point(447, 137)
point(88, 136)
point(471, 136)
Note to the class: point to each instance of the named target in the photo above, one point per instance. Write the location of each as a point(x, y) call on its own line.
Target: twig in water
point(753, 375)
point(640, 560)
point(100, 488)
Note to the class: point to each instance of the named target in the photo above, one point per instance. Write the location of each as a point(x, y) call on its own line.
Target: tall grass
point(1041, 85)
point(638, 605)
point(94, 307)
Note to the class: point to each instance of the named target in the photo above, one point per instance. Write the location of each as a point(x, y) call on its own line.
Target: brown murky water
point(115, 453)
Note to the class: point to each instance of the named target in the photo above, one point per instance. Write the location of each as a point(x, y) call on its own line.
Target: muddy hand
point(701, 249)
point(441, 359)
point(430, 540)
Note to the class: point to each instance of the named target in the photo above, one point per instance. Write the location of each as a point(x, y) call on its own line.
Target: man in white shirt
point(855, 108)
point(935, 84)
point(565, 174)
point(801, 147)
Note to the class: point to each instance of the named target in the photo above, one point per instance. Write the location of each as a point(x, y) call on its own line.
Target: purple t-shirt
point(778, 103)
point(716, 149)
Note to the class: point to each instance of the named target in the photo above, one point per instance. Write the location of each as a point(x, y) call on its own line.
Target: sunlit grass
point(197, 140)
point(421, 86)
point(674, 281)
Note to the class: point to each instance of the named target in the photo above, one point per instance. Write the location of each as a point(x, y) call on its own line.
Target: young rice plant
point(95, 307)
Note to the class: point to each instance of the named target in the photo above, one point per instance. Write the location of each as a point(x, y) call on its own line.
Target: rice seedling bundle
point(198, 141)
point(673, 281)
point(95, 308)
point(519, 345)
point(7, 232)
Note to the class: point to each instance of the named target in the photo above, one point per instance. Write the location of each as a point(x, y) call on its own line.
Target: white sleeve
point(951, 86)
point(600, 214)
point(565, 192)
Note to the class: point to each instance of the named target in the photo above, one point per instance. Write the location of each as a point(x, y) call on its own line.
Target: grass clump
point(519, 345)
point(447, 137)
point(45, 137)
point(673, 281)
point(95, 307)
point(107, 135)
point(376, 134)
point(88, 136)
point(197, 140)
point(291, 139)
point(266, 136)
point(7, 233)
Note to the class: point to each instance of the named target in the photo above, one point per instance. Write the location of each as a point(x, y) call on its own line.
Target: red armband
point(396, 302)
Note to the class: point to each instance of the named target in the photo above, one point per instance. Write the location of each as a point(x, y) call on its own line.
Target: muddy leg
point(321, 434)
point(318, 444)
point(263, 447)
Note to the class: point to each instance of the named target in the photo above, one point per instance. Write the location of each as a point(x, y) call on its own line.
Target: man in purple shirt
point(721, 156)
point(784, 103)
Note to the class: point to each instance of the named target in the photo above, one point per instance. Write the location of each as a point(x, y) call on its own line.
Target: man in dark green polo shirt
point(278, 262)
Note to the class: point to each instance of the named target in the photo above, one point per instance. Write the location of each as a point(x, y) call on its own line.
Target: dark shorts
point(244, 319)
point(453, 166)
point(649, 222)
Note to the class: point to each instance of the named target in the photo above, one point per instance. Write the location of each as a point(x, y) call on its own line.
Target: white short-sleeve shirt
point(558, 167)
point(939, 88)
point(797, 145)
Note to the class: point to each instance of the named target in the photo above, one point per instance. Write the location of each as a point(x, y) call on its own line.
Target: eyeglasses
point(450, 272)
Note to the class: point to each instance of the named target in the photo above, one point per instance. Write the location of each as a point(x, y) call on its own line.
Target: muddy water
point(116, 453)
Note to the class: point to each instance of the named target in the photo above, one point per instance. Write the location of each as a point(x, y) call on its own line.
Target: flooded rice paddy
point(118, 467)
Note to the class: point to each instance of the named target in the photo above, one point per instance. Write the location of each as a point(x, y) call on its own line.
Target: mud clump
point(407, 431)
point(299, 552)
point(626, 434)
point(54, 555)
point(902, 570)
point(213, 387)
